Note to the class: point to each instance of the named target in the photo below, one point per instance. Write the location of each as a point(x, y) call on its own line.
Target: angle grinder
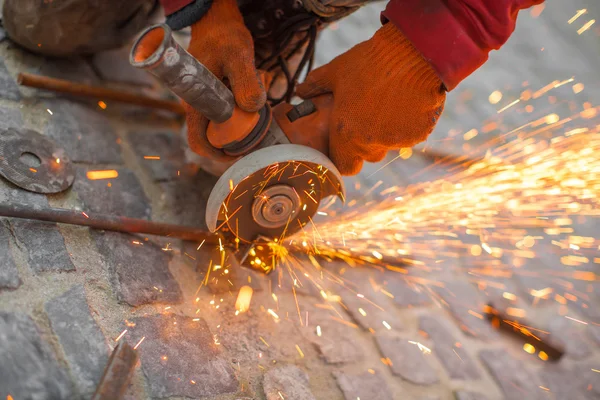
point(282, 174)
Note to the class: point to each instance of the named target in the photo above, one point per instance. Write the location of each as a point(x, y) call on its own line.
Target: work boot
point(74, 27)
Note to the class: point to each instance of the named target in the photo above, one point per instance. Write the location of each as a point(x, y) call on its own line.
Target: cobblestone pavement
point(67, 293)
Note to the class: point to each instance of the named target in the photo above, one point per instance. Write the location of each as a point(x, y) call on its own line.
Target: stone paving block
point(180, 357)
point(10, 118)
point(564, 384)
point(407, 295)
point(511, 375)
point(166, 145)
point(82, 341)
point(44, 245)
point(338, 341)
point(461, 395)
point(9, 275)
point(289, 382)
point(139, 271)
point(408, 361)
point(124, 197)
point(8, 87)
point(365, 313)
point(364, 386)
point(113, 65)
point(186, 198)
point(572, 336)
point(456, 361)
point(467, 307)
point(84, 133)
point(28, 370)
point(594, 333)
point(73, 69)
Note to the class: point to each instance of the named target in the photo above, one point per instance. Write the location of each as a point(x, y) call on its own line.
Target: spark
point(242, 303)
point(138, 343)
point(273, 314)
point(386, 325)
point(121, 335)
point(578, 14)
point(264, 341)
point(424, 349)
point(576, 320)
point(508, 106)
point(151, 157)
point(49, 111)
point(319, 330)
point(300, 351)
point(103, 174)
point(84, 214)
point(586, 26)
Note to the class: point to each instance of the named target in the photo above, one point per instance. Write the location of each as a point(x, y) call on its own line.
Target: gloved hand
point(221, 42)
point(386, 96)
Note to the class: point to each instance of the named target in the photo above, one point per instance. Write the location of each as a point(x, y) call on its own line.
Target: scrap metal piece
point(117, 374)
point(272, 192)
point(34, 162)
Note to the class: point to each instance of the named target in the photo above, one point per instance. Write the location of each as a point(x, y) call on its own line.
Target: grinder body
point(282, 173)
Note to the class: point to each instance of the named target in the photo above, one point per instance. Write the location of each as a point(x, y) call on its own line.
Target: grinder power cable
point(282, 172)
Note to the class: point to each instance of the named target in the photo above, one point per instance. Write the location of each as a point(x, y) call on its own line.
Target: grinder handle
point(307, 123)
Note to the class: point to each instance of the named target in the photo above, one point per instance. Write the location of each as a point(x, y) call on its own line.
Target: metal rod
point(156, 51)
point(97, 92)
point(117, 374)
point(106, 222)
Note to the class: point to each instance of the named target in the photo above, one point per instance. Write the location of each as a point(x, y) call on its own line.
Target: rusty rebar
point(106, 222)
point(97, 92)
point(117, 374)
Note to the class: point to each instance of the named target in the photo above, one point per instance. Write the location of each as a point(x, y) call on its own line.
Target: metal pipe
point(106, 222)
point(117, 374)
point(96, 92)
point(156, 51)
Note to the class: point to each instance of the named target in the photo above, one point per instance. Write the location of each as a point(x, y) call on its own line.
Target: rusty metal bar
point(117, 374)
point(106, 222)
point(97, 92)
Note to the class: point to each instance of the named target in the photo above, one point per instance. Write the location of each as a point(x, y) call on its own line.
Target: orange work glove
point(386, 96)
point(221, 42)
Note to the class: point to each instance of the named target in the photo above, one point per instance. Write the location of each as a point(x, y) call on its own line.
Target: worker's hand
point(386, 96)
point(221, 42)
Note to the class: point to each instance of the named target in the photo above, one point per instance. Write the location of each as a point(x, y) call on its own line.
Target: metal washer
point(55, 172)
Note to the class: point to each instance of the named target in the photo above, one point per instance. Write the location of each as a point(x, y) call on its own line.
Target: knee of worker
point(74, 27)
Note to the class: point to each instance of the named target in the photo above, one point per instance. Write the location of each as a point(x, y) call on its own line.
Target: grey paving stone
point(408, 361)
point(9, 276)
point(406, 295)
point(73, 69)
point(113, 65)
point(10, 118)
point(363, 386)
point(590, 380)
point(80, 337)
point(288, 381)
point(84, 133)
point(338, 341)
point(28, 369)
point(8, 87)
point(456, 361)
point(367, 315)
point(125, 196)
point(511, 375)
point(166, 145)
point(572, 335)
point(564, 384)
point(180, 357)
point(461, 395)
point(44, 245)
point(594, 333)
point(139, 272)
point(467, 307)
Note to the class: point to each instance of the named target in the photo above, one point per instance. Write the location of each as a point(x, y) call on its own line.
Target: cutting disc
point(272, 192)
point(33, 162)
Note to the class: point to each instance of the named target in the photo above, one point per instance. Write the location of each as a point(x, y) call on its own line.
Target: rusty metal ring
point(34, 162)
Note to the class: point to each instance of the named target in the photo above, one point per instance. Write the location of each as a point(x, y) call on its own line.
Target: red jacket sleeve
point(170, 6)
point(455, 36)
